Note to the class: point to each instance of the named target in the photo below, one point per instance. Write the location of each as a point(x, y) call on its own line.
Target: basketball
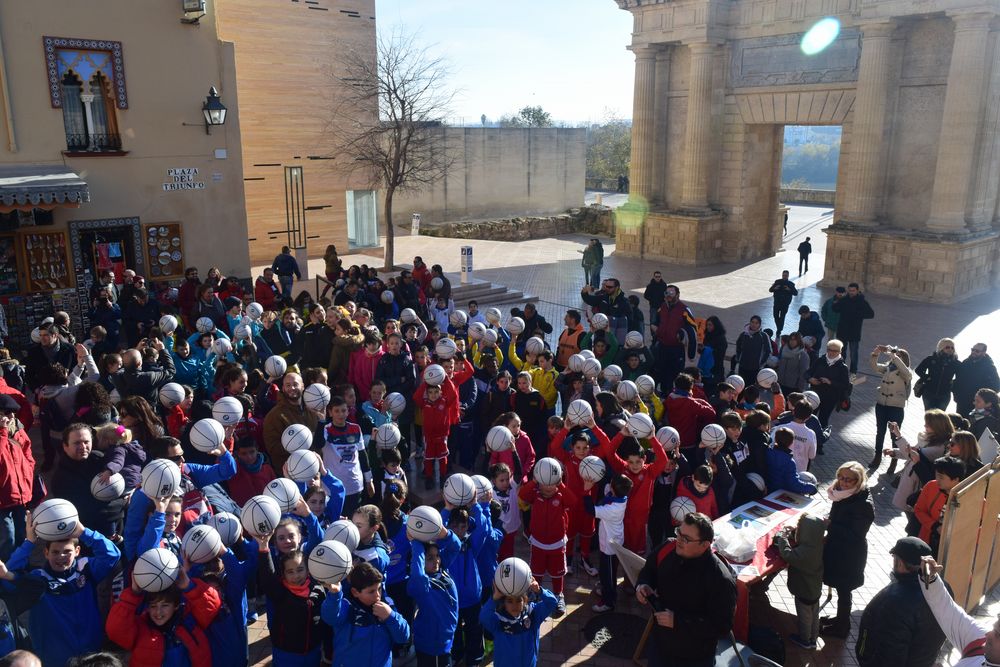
point(458, 319)
point(36, 336)
point(284, 492)
point(534, 345)
point(424, 524)
point(161, 478)
point(588, 354)
point(459, 490)
point(275, 367)
point(515, 326)
point(493, 316)
point(483, 487)
point(757, 481)
point(302, 465)
point(156, 570)
point(296, 437)
point(627, 391)
point(766, 377)
point(579, 413)
point(613, 373)
point(395, 403)
point(110, 490)
point(254, 310)
point(227, 525)
point(436, 283)
point(386, 436)
point(807, 477)
point(387, 296)
point(591, 368)
point(55, 519)
point(204, 325)
point(316, 397)
point(499, 439)
point(208, 434)
point(513, 577)
point(490, 336)
point(640, 425)
point(345, 532)
point(592, 469)
point(227, 410)
point(168, 324)
point(646, 385)
point(434, 375)
point(680, 507)
point(669, 437)
point(222, 347)
point(633, 340)
point(548, 471)
point(201, 543)
point(241, 331)
point(329, 562)
point(407, 315)
point(737, 382)
point(713, 436)
point(476, 330)
point(599, 322)
point(575, 362)
point(171, 394)
point(260, 515)
point(445, 348)
point(812, 398)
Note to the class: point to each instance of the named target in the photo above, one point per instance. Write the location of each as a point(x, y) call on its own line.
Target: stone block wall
point(588, 220)
point(682, 239)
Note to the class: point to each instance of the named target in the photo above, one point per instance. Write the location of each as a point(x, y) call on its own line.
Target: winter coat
point(895, 386)
point(928, 508)
point(17, 469)
point(984, 420)
point(38, 359)
point(831, 317)
point(717, 342)
point(280, 417)
point(214, 310)
point(783, 291)
point(249, 481)
point(973, 375)
point(752, 350)
point(838, 374)
point(853, 312)
point(265, 293)
point(399, 376)
point(812, 326)
point(846, 550)
point(359, 638)
point(655, 293)
point(146, 380)
point(592, 256)
point(793, 367)
point(783, 474)
point(805, 559)
point(340, 354)
point(313, 343)
point(909, 482)
point(612, 305)
point(295, 625)
point(71, 481)
point(688, 415)
point(938, 371)
point(515, 641)
point(897, 627)
point(361, 371)
point(437, 606)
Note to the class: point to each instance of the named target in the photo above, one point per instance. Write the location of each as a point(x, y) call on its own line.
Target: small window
point(362, 222)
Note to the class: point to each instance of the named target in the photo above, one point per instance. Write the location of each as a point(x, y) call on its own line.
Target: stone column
point(867, 158)
point(698, 129)
point(983, 199)
point(963, 113)
point(660, 125)
point(643, 121)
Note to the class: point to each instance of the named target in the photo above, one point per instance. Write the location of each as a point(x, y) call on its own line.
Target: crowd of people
point(531, 411)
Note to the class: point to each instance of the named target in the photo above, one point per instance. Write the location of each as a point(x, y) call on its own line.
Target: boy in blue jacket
point(364, 627)
point(515, 623)
point(434, 591)
point(229, 575)
point(472, 529)
point(781, 471)
point(67, 620)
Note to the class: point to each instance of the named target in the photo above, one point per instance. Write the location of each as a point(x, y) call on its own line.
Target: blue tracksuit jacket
point(486, 561)
point(437, 602)
point(515, 641)
point(359, 638)
point(463, 569)
point(398, 547)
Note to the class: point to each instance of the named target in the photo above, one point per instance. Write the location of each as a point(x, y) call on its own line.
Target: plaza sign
point(182, 178)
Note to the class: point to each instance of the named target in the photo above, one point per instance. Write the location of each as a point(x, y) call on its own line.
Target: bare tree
point(388, 120)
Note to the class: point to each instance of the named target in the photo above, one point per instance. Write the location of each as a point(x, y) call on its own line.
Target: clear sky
point(568, 56)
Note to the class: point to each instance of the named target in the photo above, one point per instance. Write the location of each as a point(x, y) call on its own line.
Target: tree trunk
point(390, 232)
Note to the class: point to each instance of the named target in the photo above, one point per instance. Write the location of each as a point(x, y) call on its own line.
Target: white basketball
point(254, 310)
point(459, 490)
point(766, 377)
point(171, 394)
point(579, 413)
point(407, 315)
point(345, 532)
point(55, 519)
point(534, 345)
point(812, 398)
point(807, 477)
point(490, 336)
point(499, 439)
point(668, 437)
point(241, 331)
point(483, 487)
point(36, 336)
point(599, 322)
point(758, 481)
point(592, 469)
point(202, 543)
point(772, 361)
point(613, 373)
point(168, 324)
point(260, 515)
point(386, 436)
point(588, 354)
point(513, 577)
point(395, 403)
point(476, 330)
point(434, 375)
point(204, 325)
point(680, 507)
point(737, 382)
point(591, 368)
point(275, 367)
point(458, 319)
point(640, 425)
point(713, 436)
point(222, 347)
point(296, 437)
point(156, 570)
point(160, 478)
point(316, 397)
point(110, 490)
point(207, 434)
point(329, 562)
point(228, 526)
point(576, 362)
point(633, 340)
point(445, 348)
point(548, 471)
point(424, 523)
point(493, 316)
point(227, 410)
point(285, 492)
point(646, 385)
point(627, 391)
point(387, 296)
point(436, 283)
point(302, 465)
point(515, 326)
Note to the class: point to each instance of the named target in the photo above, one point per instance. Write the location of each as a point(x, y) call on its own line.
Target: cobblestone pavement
point(550, 269)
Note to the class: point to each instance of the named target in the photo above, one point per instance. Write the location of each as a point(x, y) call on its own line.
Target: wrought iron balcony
point(93, 143)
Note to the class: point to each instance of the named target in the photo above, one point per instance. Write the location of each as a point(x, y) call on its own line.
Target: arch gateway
point(915, 84)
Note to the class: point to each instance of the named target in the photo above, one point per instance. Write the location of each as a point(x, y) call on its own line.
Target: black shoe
point(835, 631)
point(892, 466)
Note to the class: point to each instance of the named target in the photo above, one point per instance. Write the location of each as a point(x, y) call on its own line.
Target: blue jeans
point(592, 275)
point(286, 285)
point(12, 531)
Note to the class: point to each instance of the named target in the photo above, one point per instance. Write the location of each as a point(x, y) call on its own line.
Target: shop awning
point(45, 186)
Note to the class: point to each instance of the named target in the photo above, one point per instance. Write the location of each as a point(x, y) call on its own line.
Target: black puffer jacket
point(846, 550)
point(937, 371)
point(898, 628)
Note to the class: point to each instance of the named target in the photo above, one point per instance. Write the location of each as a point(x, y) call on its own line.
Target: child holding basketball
point(371, 548)
point(472, 533)
point(520, 459)
point(298, 531)
point(515, 623)
point(626, 457)
point(434, 592)
point(161, 526)
point(698, 487)
point(324, 494)
point(344, 454)
point(397, 547)
point(438, 418)
point(611, 511)
point(253, 473)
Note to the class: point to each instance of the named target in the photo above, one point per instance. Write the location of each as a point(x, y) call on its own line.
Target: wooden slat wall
point(286, 57)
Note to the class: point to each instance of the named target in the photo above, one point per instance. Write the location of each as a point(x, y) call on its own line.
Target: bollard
point(415, 224)
point(466, 264)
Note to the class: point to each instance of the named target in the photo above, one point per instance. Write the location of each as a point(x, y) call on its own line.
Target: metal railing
point(93, 143)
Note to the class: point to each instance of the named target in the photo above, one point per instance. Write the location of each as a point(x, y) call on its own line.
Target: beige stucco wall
point(502, 172)
point(169, 68)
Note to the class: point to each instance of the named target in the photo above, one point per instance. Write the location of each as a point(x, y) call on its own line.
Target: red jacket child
point(525, 453)
point(688, 415)
point(580, 521)
point(177, 419)
point(549, 522)
point(438, 417)
point(135, 632)
point(249, 480)
point(640, 498)
point(703, 502)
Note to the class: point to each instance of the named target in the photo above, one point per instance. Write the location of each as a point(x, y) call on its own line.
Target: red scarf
point(302, 590)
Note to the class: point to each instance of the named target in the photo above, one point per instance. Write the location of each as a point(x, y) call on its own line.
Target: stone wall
point(689, 240)
point(803, 196)
point(588, 220)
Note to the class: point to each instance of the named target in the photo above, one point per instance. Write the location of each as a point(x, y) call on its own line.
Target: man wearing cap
point(898, 626)
point(16, 484)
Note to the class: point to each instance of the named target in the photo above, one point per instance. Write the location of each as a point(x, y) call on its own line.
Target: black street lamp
point(215, 112)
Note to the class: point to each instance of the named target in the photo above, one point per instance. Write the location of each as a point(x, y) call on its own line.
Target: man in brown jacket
point(289, 410)
point(347, 338)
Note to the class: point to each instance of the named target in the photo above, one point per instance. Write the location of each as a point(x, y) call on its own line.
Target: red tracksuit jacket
point(640, 498)
point(549, 516)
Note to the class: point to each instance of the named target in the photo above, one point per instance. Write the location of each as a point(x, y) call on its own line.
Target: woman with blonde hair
point(891, 395)
point(965, 446)
point(931, 444)
point(936, 374)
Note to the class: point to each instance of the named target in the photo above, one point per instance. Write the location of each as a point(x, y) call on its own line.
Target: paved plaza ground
point(550, 269)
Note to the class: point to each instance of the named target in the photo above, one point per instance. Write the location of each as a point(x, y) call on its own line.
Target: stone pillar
point(867, 161)
point(698, 130)
point(963, 113)
point(661, 126)
point(643, 148)
point(983, 200)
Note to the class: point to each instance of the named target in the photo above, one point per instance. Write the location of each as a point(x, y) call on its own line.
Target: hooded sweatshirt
point(805, 559)
point(515, 640)
point(437, 602)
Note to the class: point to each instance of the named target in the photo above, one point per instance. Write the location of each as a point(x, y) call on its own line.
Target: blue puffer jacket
point(515, 641)
point(782, 474)
point(437, 602)
point(359, 638)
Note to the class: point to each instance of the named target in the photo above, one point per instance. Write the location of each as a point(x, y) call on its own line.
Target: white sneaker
point(560, 607)
point(569, 568)
point(601, 608)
